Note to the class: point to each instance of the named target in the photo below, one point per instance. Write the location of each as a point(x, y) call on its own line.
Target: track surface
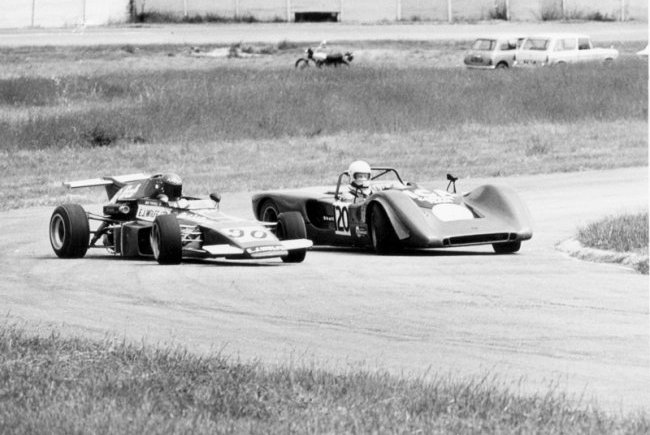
point(535, 320)
point(276, 32)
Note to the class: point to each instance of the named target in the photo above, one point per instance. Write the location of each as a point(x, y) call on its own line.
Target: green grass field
point(60, 386)
point(234, 128)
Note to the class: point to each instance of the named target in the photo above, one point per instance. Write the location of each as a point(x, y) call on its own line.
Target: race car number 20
point(341, 219)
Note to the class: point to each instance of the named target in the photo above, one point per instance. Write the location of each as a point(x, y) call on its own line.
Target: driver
point(359, 172)
point(168, 187)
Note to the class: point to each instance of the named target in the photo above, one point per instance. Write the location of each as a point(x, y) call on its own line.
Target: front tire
point(502, 65)
point(69, 231)
point(506, 248)
point(382, 235)
point(291, 226)
point(166, 240)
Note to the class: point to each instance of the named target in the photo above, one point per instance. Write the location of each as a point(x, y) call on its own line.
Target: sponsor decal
point(425, 198)
point(328, 218)
point(271, 248)
point(149, 212)
point(129, 190)
point(360, 231)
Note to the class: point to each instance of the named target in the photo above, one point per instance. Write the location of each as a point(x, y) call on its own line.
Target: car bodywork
point(492, 52)
point(403, 215)
point(557, 49)
point(133, 224)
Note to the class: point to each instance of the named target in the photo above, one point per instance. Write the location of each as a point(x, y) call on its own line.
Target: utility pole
point(450, 15)
point(288, 11)
point(507, 10)
point(399, 10)
point(33, 11)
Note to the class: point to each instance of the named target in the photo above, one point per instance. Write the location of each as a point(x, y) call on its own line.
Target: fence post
point(622, 10)
point(450, 15)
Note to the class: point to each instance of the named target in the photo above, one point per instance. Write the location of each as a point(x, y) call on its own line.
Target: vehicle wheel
point(166, 239)
point(302, 63)
point(291, 225)
point(269, 211)
point(506, 248)
point(502, 65)
point(382, 235)
point(69, 231)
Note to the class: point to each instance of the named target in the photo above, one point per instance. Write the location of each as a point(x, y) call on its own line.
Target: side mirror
point(215, 197)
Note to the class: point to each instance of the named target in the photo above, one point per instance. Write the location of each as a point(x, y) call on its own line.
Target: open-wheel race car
point(394, 214)
point(147, 216)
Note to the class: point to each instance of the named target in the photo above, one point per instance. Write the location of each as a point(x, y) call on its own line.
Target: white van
point(557, 49)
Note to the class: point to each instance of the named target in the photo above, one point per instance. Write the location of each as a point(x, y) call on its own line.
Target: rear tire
point(166, 240)
point(506, 248)
point(69, 231)
point(502, 65)
point(302, 63)
point(382, 235)
point(291, 226)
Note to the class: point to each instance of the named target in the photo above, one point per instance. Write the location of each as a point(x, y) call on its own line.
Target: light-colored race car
point(493, 52)
point(562, 48)
point(401, 215)
point(142, 219)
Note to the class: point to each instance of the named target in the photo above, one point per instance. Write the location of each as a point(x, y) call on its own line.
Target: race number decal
point(342, 218)
point(246, 234)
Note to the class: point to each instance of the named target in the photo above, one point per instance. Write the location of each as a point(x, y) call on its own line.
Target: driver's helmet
point(359, 173)
point(172, 186)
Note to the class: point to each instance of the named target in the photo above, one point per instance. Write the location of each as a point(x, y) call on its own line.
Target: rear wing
point(111, 183)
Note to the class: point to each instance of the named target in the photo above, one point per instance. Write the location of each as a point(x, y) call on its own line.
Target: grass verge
point(71, 385)
point(625, 233)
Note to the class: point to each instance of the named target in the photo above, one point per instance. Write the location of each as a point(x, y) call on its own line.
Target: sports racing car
point(142, 220)
point(397, 214)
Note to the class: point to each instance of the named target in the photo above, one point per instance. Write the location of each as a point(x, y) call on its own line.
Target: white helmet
point(359, 173)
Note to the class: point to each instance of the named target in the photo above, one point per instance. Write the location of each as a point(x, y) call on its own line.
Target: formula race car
point(396, 214)
point(147, 216)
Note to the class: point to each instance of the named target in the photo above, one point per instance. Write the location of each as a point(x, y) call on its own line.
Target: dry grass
point(60, 386)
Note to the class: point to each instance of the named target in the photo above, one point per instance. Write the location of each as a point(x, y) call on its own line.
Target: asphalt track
point(535, 320)
point(196, 34)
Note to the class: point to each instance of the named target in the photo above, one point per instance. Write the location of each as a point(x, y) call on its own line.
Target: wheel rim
point(269, 215)
point(155, 240)
point(373, 232)
point(57, 231)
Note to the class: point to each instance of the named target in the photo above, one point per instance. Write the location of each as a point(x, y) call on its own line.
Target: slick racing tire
point(506, 248)
point(166, 239)
point(69, 231)
point(269, 211)
point(291, 225)
point(302, 63)
point(382, 235)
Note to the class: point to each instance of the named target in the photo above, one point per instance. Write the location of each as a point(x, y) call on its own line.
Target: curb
point(575, 249)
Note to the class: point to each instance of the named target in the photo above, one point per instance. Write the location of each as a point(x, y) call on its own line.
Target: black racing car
point(402, 215)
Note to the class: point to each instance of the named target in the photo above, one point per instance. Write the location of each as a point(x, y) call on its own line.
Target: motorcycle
point(320, 58)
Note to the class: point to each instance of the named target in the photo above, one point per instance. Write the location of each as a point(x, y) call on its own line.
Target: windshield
point(539, 44)
point(484, 44)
